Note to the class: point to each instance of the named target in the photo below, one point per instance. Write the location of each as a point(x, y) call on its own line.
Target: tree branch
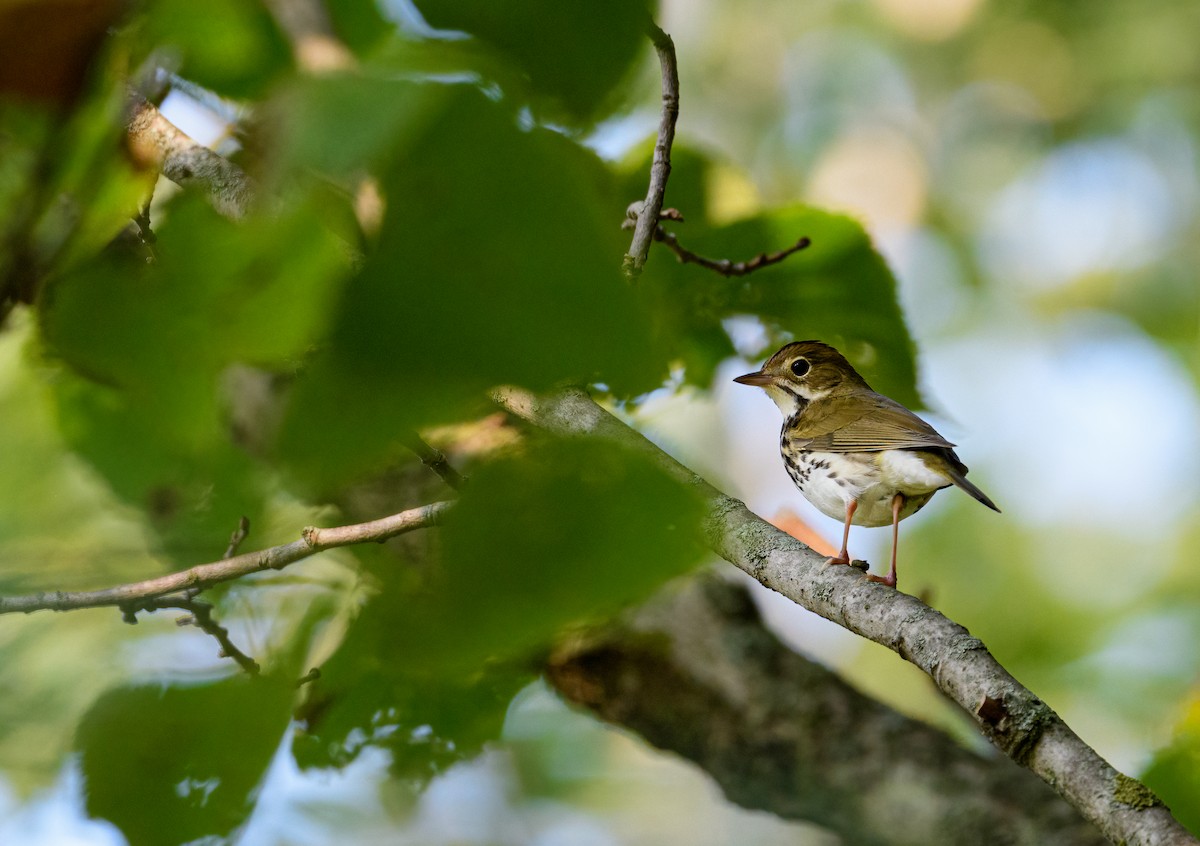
point(694, 671)
point(660, 170)
point(203, 576)
point(156, 142)
point(1015, 720)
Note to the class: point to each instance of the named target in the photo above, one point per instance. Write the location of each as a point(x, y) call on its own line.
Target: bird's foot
point(889, 579)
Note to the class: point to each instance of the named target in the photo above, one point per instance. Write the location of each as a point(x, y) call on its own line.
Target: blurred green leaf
point(427, 721)
point(148, 346)
point(1174, 774)
point(339, 125)
point(359, 24)
point(568, 531)
point(491, 268)
point(169, 765)
point(575, 53)
point(232, 47)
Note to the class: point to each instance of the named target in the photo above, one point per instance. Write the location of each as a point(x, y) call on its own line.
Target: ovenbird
point(855, 454)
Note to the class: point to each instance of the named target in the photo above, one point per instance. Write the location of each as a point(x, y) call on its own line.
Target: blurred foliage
point(176, 764)
point(153, 393)
point(214, 369)
point(1175, 771)
point(555, 45)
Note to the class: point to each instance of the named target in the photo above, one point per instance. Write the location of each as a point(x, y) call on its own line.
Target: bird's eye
point(801, 366)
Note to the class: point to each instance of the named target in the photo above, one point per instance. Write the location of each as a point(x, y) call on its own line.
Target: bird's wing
point(866, 423)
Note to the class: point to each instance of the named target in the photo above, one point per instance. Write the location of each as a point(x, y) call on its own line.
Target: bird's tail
point(960, 479)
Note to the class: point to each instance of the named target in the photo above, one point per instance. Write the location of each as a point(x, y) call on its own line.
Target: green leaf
point(232, 47)
point(575, 53)
point(1174, 773)
point(568, 532)
point(839, 290)
point(359, 24)
point(169, 765)
point(369, 694)
point(148, 348)
point(492, 268)
point(340, 125)
point(428, 721)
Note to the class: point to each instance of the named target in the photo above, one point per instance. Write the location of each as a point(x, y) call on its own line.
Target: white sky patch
point(614, 138)
point(1093, 424)
point(1088, 207)
point(201, 123)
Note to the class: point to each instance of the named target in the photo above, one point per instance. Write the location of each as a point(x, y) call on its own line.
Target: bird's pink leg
point(890, 578)
point(843, 557)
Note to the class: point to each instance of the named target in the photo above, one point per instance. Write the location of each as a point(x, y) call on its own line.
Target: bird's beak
point(757, 378)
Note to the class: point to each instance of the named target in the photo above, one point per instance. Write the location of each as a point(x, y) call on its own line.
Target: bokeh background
point(1029, 171)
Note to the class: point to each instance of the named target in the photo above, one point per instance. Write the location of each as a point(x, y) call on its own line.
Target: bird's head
point(802, 372)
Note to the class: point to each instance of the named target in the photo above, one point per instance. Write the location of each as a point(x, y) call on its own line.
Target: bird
point(855, 454)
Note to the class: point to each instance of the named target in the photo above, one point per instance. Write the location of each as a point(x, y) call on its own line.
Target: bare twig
point(725, 267)
point(435, 460)
point(660, 170)
point(239, 534)
point(695, 672)
point(156, 142)
point(200, 616)
point(1010, 715)
point(198, 578)
point(311, 676)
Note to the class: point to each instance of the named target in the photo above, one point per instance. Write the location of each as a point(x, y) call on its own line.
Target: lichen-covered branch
point(695, 672)
point(1010, 715)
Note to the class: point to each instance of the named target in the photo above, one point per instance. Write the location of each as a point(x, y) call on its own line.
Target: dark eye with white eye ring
point(801, 366)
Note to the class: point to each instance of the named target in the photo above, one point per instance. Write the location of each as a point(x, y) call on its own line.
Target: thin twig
point(311, 676)
point(725, 267)
point(1006, 712)
point(203, 576)
point(239, 535)
point(200, 616)
point(435, 460)
point(660, 169)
